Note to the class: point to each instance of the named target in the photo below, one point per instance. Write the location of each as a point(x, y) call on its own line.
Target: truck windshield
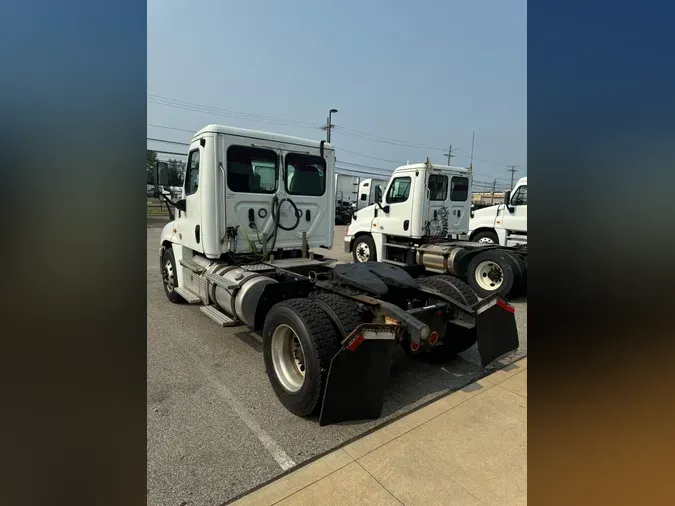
point(305, 175)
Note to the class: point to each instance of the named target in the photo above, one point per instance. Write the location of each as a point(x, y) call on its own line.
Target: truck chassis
point(329, 329)
point(487, 268)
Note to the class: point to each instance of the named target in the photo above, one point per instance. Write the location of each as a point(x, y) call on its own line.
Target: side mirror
point(180, 205)
point(162, 173)
point(507, 200)
point(386, 209)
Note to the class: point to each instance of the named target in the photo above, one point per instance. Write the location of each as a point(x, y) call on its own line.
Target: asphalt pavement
point(215, 427)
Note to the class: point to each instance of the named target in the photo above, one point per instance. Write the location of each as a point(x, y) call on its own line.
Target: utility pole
point(329, 126)
point(449, 154)
point(512, 169)
point(494, 185)
point(473, 138)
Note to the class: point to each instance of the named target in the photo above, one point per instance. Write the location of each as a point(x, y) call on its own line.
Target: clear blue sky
point(422, 72)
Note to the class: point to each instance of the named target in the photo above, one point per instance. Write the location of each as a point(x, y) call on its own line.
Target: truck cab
point(238, 182)
point(504, 224)
point(420, 201)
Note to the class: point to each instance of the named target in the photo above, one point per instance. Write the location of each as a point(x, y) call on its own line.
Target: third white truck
point(504, 224)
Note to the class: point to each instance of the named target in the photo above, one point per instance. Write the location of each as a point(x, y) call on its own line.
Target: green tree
point(176, 172)
point(150, 166)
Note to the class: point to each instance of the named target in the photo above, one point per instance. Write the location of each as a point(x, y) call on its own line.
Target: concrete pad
point(475, 453)
point(351, 485)
point(297, 480)
point(516, 384)
point(510, 370)
point(372, 441)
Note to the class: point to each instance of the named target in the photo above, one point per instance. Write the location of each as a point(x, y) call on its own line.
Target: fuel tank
point(442, 258)
point(238, 291)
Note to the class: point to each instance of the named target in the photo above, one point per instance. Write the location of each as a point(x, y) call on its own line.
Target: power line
point(191, 106)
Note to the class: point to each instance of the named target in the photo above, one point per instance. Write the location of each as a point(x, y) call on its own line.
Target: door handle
point(435, 214)
point(308, 215)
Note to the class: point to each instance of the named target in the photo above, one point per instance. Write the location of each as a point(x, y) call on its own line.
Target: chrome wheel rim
point(486, 240)
point(362, 252)
point(168, 275)
point(288, 358)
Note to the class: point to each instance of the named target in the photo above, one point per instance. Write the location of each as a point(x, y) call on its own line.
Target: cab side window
point(520, 197)
point(459, 189)
point(192, 173)
point(438, 187)
point(399, 190)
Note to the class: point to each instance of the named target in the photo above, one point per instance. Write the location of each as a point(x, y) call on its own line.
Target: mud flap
point(496, 330)
point(356, 381)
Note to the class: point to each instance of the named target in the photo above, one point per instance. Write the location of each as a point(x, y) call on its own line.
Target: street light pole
point(329, 125)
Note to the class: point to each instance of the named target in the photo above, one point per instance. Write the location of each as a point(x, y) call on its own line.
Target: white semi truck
point(239, 246)
point(411, 225)
point(504, 224)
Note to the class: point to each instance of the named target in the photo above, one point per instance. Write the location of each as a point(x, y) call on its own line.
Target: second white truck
point(411, 225)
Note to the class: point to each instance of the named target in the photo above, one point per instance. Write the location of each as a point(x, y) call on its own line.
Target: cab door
point(309, 182)
point(436, 206)
point(515, 219)
point(188, 222)
point(459, 205)
point(399, 199)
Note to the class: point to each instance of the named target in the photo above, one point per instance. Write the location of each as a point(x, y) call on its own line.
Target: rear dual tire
point(497, 271)
point(457, 339)
point(299, 341)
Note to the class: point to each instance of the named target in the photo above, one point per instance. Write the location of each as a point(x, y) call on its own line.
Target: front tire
point(364, 249)
point(299, 342)
point(169, 276)
point(486, 237)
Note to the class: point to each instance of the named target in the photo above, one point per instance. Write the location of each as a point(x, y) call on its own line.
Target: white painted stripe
point(284, 461)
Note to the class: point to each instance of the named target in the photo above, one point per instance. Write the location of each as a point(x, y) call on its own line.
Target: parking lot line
point(280, 456)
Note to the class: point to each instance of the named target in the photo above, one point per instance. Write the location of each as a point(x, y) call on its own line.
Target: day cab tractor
point(240, 249)
point(412, 222)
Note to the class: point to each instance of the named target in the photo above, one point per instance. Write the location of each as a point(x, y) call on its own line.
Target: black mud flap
point(496, 330)
point(356, 382)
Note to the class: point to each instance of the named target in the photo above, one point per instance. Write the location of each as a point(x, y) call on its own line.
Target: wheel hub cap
point(489, 276)
point(363, 252)
point(288, 358)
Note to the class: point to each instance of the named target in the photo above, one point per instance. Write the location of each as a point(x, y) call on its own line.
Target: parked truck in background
point(239, 246)
point(411, 223)
point(504, 224)
point(367, 190)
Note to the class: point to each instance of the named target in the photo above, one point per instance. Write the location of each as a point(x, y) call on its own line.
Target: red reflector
point(355, 343)
point(414, 346)
point(505, 306)
point(433, 338)
point(440, 313)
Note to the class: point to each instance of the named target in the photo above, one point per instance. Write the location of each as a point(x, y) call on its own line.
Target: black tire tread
point(448, 285)
point(441, 282)
point(173, 296)
point(344, 308)
point(322, 332)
